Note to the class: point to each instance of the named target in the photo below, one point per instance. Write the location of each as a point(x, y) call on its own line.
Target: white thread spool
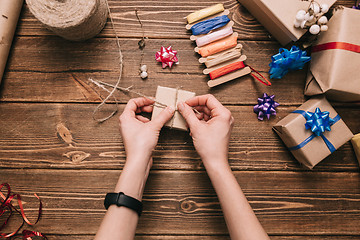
point(212, 37)
point(75, 20)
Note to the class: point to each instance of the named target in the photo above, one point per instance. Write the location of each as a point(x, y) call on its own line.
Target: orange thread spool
point(218, 46)
point(226, 69)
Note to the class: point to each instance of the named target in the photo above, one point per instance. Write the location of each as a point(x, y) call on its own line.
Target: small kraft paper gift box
point(335, 59)
point(171, 97)
point(313, 131)
point(278, 16)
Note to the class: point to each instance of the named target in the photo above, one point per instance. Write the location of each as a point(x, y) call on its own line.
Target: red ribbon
point(235, 66)
point(7, 206)
point(336, 45)
point(226, 69)
point(266, 82)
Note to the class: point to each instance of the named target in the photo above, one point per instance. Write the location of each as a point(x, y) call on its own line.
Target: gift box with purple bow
point(313, 131)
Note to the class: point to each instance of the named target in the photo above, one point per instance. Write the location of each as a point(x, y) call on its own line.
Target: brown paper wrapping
point(291, 130)
point(335, 72)
point(171, 97)
point(278, 16)
point(356, 144)
point(10, 11)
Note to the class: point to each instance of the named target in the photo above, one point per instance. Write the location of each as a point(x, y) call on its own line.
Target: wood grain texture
point(29, 140)
point(204, 237)
point(46, 83)
point(183, 202)
point(162, 19)
point(56, 70)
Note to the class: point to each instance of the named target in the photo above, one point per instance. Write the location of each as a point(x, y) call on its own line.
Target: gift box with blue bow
point(313, 131)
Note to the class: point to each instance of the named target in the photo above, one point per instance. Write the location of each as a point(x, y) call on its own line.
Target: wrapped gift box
point(335, 63)
point(278, 16)
point(356, 144)
point(308, 148)
point(171, 97)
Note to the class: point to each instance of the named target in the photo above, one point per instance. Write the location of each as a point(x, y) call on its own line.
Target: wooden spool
point(75, 20)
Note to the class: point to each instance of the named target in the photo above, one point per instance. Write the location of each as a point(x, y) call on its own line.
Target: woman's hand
point(210, 129)
point(139, 134)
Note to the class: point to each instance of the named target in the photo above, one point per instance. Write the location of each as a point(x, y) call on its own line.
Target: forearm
point(239, 216)
point(120, 222)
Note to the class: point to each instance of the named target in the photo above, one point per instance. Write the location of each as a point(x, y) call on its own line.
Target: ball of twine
point(75, 20)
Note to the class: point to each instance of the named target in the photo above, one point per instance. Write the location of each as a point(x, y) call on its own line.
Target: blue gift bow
point(285, 60)
point(306, 115)
point(210, 24)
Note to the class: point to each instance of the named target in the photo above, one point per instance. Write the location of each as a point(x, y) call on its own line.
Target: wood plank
point(162, 19)
point(204, 237)
point(29, 140)
point(49, 69)
point(183, 202)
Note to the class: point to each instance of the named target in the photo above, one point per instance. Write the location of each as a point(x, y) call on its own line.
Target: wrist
point(132, 180)
point(217, 166)
point(138, 156)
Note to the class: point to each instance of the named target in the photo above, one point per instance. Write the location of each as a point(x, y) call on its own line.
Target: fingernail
point(180, 105)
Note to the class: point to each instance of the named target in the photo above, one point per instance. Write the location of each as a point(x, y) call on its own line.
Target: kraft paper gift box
point(278, 16)
point(335, 59)
point(306, 147)
point(171, 97)
point(356, 145)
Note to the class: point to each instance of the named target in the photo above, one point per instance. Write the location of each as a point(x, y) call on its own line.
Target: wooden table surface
point(46, 83)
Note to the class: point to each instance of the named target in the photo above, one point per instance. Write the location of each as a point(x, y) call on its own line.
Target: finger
point(134, 104)
point(187, 112)
point(142, 119)
point(204, 100)
point(210, 102)
point(203, 109)
point(164, 116)
point(200, 116)
point(147, 109)
point(206, 118)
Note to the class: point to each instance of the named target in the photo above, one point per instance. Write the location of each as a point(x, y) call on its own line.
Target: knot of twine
point(75, 20)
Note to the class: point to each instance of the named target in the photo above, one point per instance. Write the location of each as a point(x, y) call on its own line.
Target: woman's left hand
point(140, 135)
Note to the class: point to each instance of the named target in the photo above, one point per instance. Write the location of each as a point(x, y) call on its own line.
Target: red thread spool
point(226, 69)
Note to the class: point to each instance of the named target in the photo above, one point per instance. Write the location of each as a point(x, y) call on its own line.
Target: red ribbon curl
point(6, 206)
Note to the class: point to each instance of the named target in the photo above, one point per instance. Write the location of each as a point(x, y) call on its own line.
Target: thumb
point(164, 116)
point(189, 115)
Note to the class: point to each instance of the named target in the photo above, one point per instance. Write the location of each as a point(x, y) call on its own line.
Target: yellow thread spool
point(203, 13)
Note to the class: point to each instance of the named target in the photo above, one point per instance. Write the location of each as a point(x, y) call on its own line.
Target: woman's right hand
point(210, 129)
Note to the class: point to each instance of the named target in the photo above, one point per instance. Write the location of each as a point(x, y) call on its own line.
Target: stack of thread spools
point(217, 44)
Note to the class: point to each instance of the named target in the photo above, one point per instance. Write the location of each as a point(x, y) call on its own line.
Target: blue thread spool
point(210, 24)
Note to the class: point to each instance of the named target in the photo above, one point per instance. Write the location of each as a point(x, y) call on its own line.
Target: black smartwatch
point(120, 199)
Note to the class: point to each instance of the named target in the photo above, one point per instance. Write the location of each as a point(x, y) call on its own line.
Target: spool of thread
point(75, 20)
point(212, 37)
point(218, 46)
point(208, 25)
point(227, 56)
point(226, 69)
point(203, 13)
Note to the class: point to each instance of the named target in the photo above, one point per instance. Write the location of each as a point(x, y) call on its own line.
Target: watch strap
point(120, 199)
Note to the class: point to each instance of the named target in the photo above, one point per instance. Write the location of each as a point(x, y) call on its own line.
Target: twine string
point(119, 78)
point(115, 87)
point(101, 84)
point(175, 101)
